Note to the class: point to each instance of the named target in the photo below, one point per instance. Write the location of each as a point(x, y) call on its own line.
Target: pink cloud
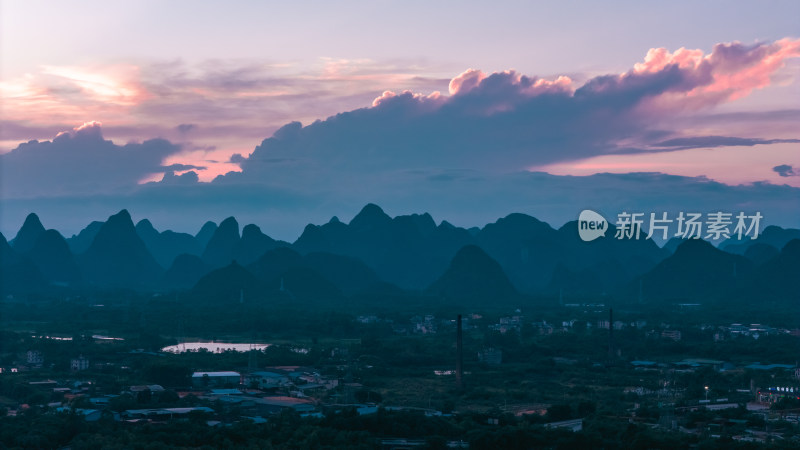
point(434, 98)
point(683, 79)
point(472, 79)
point(730, 165)
point(730, 72)
point(64, 94)
point(466, 81)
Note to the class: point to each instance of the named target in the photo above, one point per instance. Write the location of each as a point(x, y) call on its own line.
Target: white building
point(79, 363)
point(215, 379)
point(35, 358)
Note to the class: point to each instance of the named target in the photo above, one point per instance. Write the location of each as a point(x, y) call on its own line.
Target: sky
point(288, 113)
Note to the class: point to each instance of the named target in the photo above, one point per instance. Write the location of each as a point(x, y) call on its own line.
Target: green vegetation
point(549, 373)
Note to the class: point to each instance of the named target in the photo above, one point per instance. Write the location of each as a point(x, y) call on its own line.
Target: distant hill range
point(378, 256)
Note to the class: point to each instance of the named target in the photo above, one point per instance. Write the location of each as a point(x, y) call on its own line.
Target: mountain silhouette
point(527, 248)
point(230, 284)
point(376, 256)
point(772, 235)
point(409, 251)
point(79, 243)
point(28, 234)
point(777, 278)
point(185, 271)
point(253, 244)
point(118, 257)
point(52, 257)
point(759, 253)
point(616, 261)
point(697, 271)
point(304, 284)
point(205, 233)
point(370, 218)
point(167, 245)
point(219, 251)
point(17, 273)
point(274, 263)
point(672, 244)
point(473, 275)
point(347, 274)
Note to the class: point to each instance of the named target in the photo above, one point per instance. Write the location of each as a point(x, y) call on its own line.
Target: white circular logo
point(591, 225)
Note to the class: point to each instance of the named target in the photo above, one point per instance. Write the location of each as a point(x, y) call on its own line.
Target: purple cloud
point(786, 170)
point(507, 121)
point(718, 141)
point(185, 127)
point(180, 168)
point(80, 162)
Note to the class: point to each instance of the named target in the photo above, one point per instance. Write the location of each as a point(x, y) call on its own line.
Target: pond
point(214, 347)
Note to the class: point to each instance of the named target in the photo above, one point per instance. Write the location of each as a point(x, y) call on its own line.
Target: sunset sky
point(285, 113)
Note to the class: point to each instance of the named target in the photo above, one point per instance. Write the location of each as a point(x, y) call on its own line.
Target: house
point(79, 363)
point(702, 362)
point(91, 415)
point(134, 390)
point(163, 413)
point(215, 379)
point(102, 401)
point(572, 425)
point(34, 358)
point(309, 389)
point(271, 405)
point(225, 392)
point(491, 356)
point(267, 380)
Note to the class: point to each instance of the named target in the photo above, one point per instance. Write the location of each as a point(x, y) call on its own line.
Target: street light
point(706, 393)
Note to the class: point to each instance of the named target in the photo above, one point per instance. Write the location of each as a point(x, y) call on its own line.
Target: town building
point(215, 379)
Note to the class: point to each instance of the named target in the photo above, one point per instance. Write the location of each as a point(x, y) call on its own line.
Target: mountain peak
point(52, 256)
point(122, 218)
point(220, 249)
point(229, 224)
point(26, 237)
point(473, 274)
point(32, 220)
point(251, 231)
point(230, 283)
point(694, 246)
point(145, 225)
point(118, 256)
point(370, 216)
point(792, 246)
point(205, 233)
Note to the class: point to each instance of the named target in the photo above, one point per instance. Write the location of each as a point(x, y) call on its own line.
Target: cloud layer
point(438, 152)
point(507, 121)
point(80, 162)
point(786, 170)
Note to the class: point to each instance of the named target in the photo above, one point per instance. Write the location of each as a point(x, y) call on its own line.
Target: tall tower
point(459, 355)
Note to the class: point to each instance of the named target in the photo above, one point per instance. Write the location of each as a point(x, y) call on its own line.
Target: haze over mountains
point(379, 256)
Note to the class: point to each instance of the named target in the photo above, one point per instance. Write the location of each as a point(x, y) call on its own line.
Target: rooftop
point(215, 374)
